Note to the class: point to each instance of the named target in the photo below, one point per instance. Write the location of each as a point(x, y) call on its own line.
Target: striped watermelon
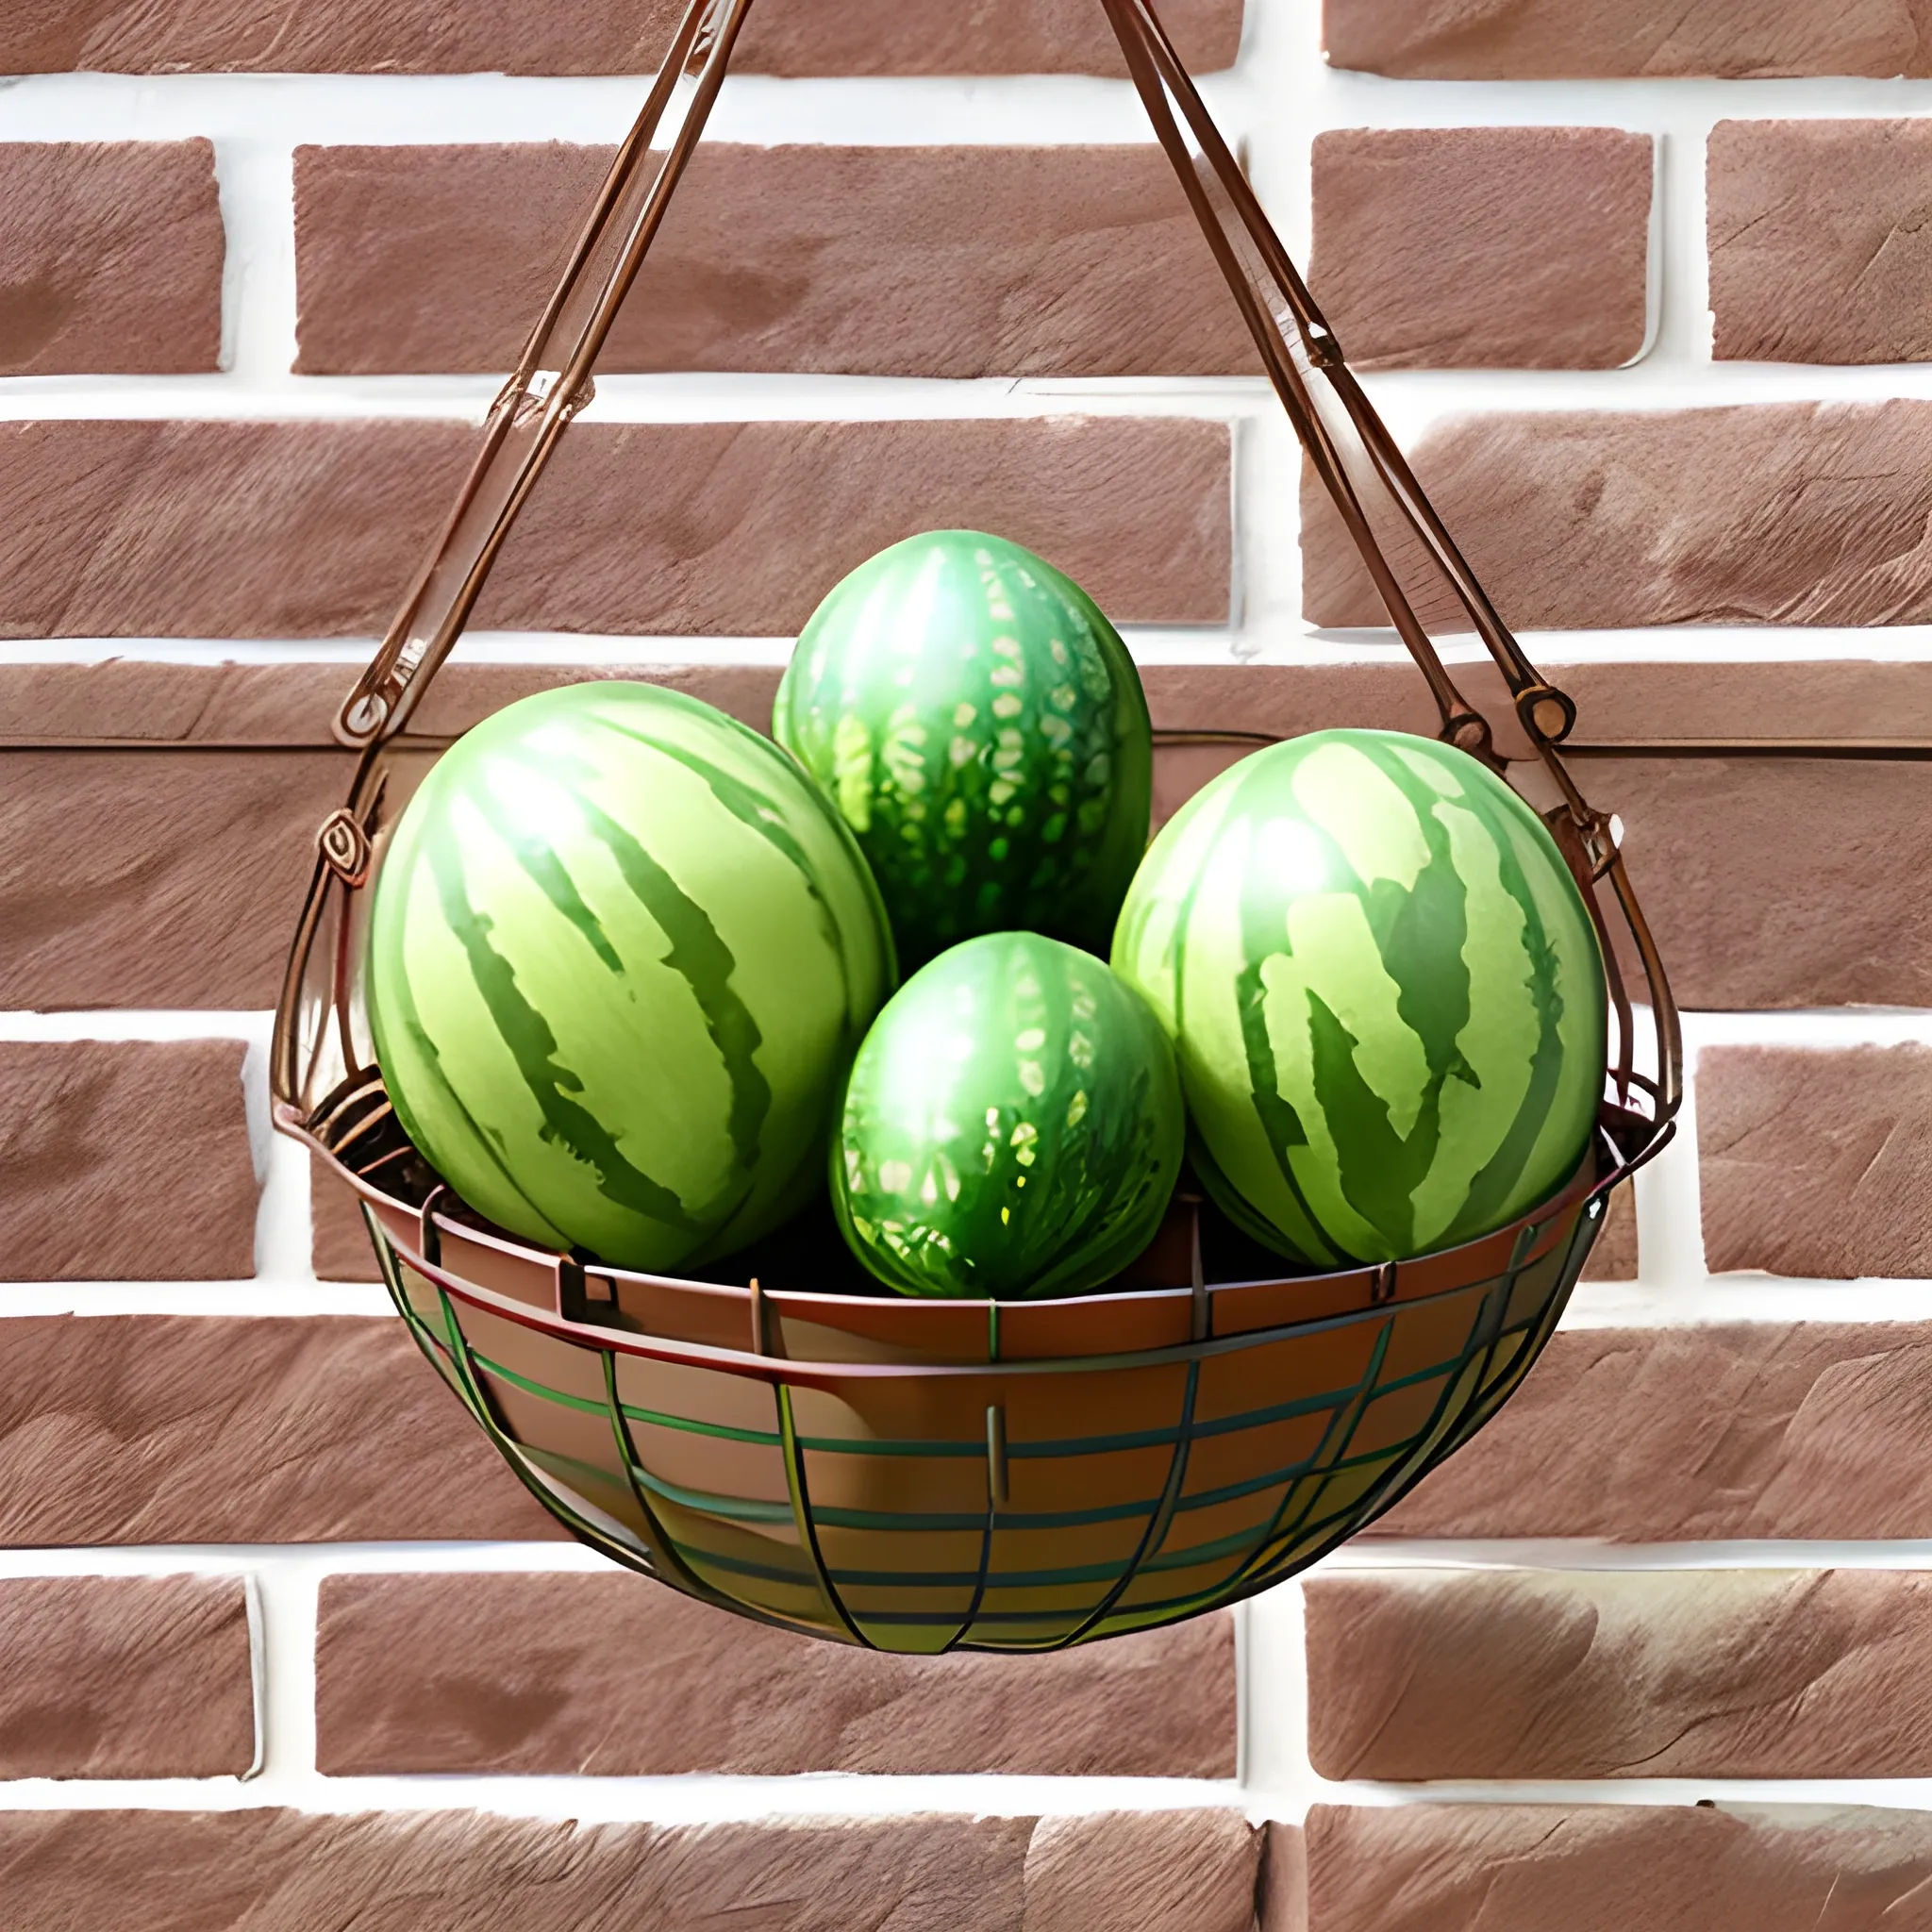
point(1013, 1127)
point(983, 730)
point(1386, 991)
point(620, 954)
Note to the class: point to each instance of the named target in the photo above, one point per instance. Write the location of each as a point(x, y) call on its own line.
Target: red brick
point(794, 37)
point(124, 1677)
point(157, 1429)
point(1153, 1872)
point(938, 261)
point(1483, 247)
point(1817, 245)
point(124, 1161)
point(1778, 882)
point(1282, 1894)
point(157, 878)
point(313, 529)
point(1807, 1157)
point(172, 879)
point(610, 1676)
point(279, 1871)
point(1644, 40)
point(1792, 513)
point(1699, 1434)
point(1614, 1257)
point(147, 702)
point(113, 252)
point(340, 1248)
point(1723, 1674)
point(1528, 1868)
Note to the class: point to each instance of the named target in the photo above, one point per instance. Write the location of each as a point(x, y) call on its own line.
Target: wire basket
point(924, 1476)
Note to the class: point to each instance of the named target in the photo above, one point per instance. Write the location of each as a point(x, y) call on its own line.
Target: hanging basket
point(923, 1476)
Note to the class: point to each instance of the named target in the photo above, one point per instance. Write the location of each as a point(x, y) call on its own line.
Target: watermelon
point(982, 728)
point(1385, 991)
point(1013, 1127)
point(620, 957)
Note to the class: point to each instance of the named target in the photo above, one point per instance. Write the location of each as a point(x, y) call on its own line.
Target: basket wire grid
point(925, 1476)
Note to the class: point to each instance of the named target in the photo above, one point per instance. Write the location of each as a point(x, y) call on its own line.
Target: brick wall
point(283, 1645)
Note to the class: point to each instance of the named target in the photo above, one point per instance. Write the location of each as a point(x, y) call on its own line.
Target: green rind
point(981, 727)
point(620, 954)
point(1012, 1126)
point(1385, 991)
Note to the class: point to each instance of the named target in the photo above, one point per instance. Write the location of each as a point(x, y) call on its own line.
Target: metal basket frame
point(928, 1476)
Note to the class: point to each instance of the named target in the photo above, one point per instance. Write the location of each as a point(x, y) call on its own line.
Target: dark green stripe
point(1418, 932)
point(755, 811)
point(428, 1069)
point(527, 1036)
point(1264, 933)
point(707, 965)
point(1490, 1191)
point(538, 857)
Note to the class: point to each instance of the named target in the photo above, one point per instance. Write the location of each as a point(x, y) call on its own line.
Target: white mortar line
point(1275, 1770)
point(1262, 641)
point(1367, 1554)
point(1411, 399)
point(1028, 110)
point(257, 1675)
point(1374, 1553)
point(258, 298)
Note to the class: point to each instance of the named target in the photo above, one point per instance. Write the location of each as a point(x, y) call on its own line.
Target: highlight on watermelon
point(632, 970)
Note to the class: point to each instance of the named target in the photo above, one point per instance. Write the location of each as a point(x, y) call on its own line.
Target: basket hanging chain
point(1420, 574)
point(552, 381)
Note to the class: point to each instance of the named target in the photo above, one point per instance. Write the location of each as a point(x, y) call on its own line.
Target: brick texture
point(1525, 1868)
point(340, 1248)
point(1282, 1895)
point(1163, 1871)
point(956, 261)
point(113, 252)
point(124, 1677)
point(137, 1429)
point(1614, 1257)
point(1808, 1158)
point(158, 878)
point(1818, 244)
point(1725, 1673)
point(1645, 40)
point(1796, 513)
point(124, 1161)
point(1688, 1435)
point(285, 529)
point(269, 1871)
point(1723, 851)
point(536, 1673)
point(1483, 247)
point(796, 37)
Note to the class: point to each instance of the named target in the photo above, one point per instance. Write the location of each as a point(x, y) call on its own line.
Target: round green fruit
point(1013, 1127)
point(982, 728)
point(620, 957)
point(1385, 993)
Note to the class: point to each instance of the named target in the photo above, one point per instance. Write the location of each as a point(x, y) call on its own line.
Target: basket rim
point(1604, 1166)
